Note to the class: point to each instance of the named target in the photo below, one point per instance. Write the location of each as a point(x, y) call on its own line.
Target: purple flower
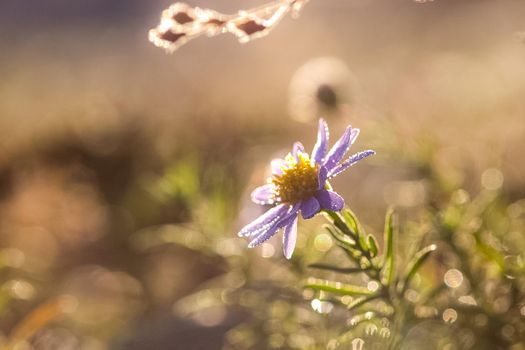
point(299, 183)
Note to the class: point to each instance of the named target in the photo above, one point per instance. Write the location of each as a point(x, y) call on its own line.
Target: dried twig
point(180, 23)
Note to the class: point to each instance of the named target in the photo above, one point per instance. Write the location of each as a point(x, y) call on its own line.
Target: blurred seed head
point(321, 86)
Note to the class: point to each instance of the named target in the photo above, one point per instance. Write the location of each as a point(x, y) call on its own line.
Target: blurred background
point(125, 172)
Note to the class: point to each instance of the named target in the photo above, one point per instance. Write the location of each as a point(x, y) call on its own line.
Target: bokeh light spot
point(492, 179)
point(323, 242)
point(450, 315)
point(453, 278)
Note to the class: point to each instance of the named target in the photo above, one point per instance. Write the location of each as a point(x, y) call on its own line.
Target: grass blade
point(335, 268)
point(388, 259)
point(337, 287)
point(372, 245)
point(415, 264)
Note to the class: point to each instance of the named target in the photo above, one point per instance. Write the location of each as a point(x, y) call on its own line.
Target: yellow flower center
point(298, 181)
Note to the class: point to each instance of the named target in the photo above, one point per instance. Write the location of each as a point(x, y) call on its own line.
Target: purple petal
point(297, 147)
point(349, 162)
point(323, 175)
point(321, 146)
point(264, 194)
point(265, 221)
point(330, 200)
point(310, 207)
point(266, 234)
point(289, 238)
point(354, 135)
point(277, 165)
point(340, 148)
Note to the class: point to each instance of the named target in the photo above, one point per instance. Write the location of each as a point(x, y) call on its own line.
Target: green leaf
point(372, 245)
point(491, 253)
point(338, 235)
point(337, 287)
point(361, 301)
point(336, 269)
point(415, 264)
point(388, 258)
point(340, 224)
point(351, 220)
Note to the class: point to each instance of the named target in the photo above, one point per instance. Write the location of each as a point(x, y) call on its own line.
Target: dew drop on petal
point(450, 315)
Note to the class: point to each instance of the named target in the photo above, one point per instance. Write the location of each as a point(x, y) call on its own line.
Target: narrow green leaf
point(337, 287)
point(372, 245)
point(345, 242)
point(336, 232)
point(351, 220)
point(415, 264)
point(361, 301)
point(341, 224)
point(336, 269)
point(491, 254)
point(388, 258)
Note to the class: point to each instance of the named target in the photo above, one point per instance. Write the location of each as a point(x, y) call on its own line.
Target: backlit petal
point(337, 152)
point(297, 147)
point(321, 146)
point(277, 166)
point(264, 194)
point(349, 162)
point(290, 238)
point(265, 221)
point(266, 234)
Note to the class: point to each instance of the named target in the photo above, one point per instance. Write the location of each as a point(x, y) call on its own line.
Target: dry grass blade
point(37, 319)
point(181, 22)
